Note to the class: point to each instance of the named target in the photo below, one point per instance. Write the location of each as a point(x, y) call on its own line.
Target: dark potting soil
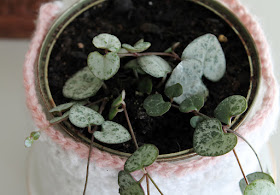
point(161, 22)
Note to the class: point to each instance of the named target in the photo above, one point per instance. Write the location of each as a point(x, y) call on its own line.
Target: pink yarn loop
point(50, 11)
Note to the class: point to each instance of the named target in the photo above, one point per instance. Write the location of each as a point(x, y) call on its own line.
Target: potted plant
point(64, 52)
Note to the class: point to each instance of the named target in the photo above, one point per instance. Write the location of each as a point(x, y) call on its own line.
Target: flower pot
point(65, 151)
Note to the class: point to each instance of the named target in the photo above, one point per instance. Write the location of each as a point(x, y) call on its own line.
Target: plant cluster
point(185, 90)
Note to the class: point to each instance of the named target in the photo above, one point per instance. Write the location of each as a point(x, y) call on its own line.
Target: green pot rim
point(69, 15)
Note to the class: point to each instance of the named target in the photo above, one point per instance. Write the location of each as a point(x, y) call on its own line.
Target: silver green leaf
point(195, 102)
point(28, 142)
point(128, 185)
point(210, 140)
point(133, 64)
point(252, 177)
point(82, 85)
point(35, 135)
point(174, 90)
point(154, 65)
point(261, 187)
point(103, 67)
point(82, 116)
point(140, 46)
point(107, 41)
point(112, 133)
point(144, 156)
point(145, 85)
point(155, 105)
point(60, 118)
point(229, 107)
point(188, 74)
point(209, 52)
point(195, 120)
point(62, 107)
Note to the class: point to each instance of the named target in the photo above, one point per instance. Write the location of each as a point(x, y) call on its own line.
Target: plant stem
point(173, 54)
point(231, 131)
point(142, 178)
point(104, 102)
point(130, 126)
point(154, 183)
point(148, 185)
point(175, 106)
point(246, 180)
point(97, 101)
point(200, 114)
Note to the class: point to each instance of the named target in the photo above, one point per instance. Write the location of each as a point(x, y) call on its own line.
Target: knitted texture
point(264, 113)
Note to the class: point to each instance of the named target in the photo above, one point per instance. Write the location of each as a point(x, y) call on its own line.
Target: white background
point(16, 121)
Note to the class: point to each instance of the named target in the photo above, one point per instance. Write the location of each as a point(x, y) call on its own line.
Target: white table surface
point(16, 121)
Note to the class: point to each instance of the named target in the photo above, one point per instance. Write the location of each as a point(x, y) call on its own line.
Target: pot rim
point(69, 15)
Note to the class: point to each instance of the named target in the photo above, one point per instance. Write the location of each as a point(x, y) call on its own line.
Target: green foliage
point(188, 74)
point(112, 133)
point(210, 140)
point(254, 176)
point(62, 107)
point(195, 102)
point(154, 66)
point(173, 90)
point(209, 52)
point(107, 41)
point(28, 142)
point(133, 64)
point(229, 107)
point(145, 85)
point(260, 187)
point(155, 105)
point(128, 185)
point(141, 158)
point(103, 67)
point(116, 104)
point(35, 135)
point(195, 120)
point(82, 85)
point(60, 118)
point(82, 116)
point(140, 46)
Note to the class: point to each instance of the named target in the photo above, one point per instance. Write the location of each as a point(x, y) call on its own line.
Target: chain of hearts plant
point(185, 90)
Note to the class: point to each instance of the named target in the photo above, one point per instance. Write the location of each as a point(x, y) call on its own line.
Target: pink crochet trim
point(50, 11)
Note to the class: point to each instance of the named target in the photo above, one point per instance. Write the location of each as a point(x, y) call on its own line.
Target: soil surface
point(161, 22)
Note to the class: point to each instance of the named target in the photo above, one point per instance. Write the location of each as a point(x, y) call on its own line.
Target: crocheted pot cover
point(65, 159)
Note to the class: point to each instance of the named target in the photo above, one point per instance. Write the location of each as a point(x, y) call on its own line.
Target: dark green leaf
point(128, 185)
point(174, 90)
point(155, 105)
point(35, 135)
point(195, 102)
point(196, 120)
point(145, 85)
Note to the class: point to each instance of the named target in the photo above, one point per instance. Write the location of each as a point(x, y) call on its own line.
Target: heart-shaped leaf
point(62, 107)
point(229, 107)
point(252, 177)
point(188, 74)
point(195, 102)
point(82, 116)
point(133, 64)
point(107, 41)
point(112, 133)
point(260, 187)
point(174, 90)
point(209, 52)
point(140, 46)
point(60, 118)
point(155, 105)
point(195, 120)
point(28, 142)
point(145, 85)
point(210, 140)
point(82, 85)
point(128, 185)
point(154, 66)
point(103, 67)
point(141, 158)
point(35, 135)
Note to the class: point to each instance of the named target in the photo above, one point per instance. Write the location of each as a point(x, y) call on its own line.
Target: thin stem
point(142, 178)
point(148, 185)
point(130, 126)
point(231, 131)
point(197, 113)
point(174, 55)
point(154, 183)
point(246, 180)
point(97, 101)
point(51, 124)
point(175, 106)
